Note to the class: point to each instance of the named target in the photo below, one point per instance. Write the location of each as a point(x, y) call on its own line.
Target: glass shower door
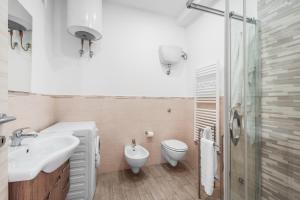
point(243, 107)
point(252, 110)
point(236, 112)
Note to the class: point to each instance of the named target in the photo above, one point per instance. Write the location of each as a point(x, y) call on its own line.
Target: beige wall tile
point(118, 119)
point(122, 119)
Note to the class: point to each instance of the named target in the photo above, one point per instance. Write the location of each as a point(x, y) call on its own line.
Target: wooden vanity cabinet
point(52, 186)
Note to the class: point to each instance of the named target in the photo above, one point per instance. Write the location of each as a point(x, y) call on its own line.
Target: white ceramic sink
point(42, 154)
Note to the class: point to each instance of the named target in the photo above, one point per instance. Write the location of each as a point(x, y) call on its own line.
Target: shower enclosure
point(262, 110)
point(242, 99)
point(262, 95)
point(242, 146)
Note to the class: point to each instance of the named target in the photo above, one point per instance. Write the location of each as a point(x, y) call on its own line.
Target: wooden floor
point(158, 182)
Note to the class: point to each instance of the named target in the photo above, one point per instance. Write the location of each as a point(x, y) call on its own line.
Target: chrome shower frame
point(214, 11)
point(227, 60)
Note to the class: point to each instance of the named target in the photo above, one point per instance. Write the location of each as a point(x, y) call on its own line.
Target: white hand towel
point(207, 165)
point(204, 138)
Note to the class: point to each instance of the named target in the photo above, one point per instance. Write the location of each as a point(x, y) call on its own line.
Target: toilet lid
point(175, 145)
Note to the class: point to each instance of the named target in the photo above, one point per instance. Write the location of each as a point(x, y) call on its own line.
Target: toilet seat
point(174, 145)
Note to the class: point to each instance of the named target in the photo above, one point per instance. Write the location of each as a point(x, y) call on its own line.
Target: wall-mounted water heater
point(84, 21)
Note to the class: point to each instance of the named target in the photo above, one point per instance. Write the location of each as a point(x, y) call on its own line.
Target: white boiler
point(84, 21)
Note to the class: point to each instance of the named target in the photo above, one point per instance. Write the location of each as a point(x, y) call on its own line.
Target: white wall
point(126, 60)
point(205, 41)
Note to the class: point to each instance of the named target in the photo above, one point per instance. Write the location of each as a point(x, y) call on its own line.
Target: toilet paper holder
point(149, 133)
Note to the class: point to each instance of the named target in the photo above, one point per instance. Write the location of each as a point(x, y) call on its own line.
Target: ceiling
point(172, 8)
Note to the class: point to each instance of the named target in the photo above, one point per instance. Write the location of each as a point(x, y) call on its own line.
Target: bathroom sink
point(42, 154)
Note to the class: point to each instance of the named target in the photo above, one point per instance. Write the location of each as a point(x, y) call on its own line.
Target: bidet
point(136, 156)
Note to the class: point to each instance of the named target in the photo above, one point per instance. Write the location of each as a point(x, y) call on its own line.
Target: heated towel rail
point(206, 107)
point(206, 100)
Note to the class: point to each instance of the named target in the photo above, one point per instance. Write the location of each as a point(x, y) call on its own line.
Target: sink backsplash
point(31, 110)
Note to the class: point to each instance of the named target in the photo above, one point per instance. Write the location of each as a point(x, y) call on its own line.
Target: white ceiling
point(171, 8)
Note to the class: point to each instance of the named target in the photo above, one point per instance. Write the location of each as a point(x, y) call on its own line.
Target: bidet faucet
point(133, 143)
point(18, 135)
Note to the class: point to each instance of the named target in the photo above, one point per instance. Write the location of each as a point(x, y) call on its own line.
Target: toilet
point(136, 156)
point(173, 151)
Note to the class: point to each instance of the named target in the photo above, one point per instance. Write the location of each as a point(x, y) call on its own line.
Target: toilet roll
point(149, 134)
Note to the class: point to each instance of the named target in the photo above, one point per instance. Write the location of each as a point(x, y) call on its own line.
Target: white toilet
point(136, 156)
point(173, 151)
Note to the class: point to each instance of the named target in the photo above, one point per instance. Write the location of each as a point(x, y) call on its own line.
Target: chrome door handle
point(235, 116)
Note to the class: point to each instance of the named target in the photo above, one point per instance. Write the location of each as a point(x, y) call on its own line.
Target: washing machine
point(85, 159)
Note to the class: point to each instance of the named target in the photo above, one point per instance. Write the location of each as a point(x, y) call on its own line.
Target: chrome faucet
point(133, 143)
point(18, 135)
